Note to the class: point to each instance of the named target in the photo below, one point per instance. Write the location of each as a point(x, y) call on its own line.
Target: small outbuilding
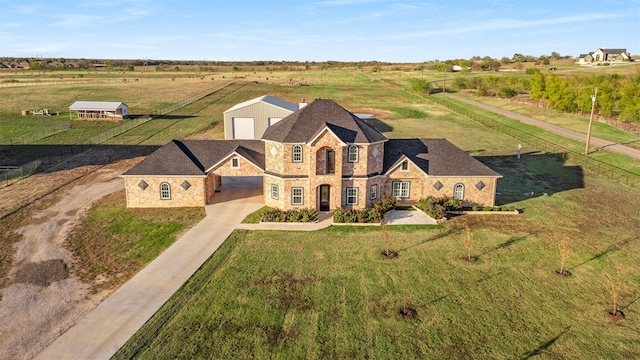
point(100, 110)
point(250, 119)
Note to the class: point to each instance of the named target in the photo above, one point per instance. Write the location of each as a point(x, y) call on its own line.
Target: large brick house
point(321, 156)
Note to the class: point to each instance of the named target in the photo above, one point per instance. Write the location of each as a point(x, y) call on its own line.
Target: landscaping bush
point(301, 215)
point(436, 207)
point(368, 215)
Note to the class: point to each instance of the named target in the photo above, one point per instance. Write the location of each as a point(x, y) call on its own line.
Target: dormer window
point(404, 166)
point(297, 153)
point(353, 153)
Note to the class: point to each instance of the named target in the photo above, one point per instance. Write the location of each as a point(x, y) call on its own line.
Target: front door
point(324, 197)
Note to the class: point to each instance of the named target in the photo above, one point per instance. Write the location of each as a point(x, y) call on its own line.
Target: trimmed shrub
point(301, 215)
point(436, 207)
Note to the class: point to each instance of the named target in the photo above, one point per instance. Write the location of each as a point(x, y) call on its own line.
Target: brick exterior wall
point(194, 196)
point(423, 186)
point(317, 169)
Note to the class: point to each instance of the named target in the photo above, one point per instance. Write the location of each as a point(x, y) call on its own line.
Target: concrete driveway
point(103, 331)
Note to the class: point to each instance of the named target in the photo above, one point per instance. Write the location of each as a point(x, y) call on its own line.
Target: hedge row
point(301, 215)
point(368, 215)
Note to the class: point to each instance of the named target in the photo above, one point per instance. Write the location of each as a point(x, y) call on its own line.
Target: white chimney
point(302, 104)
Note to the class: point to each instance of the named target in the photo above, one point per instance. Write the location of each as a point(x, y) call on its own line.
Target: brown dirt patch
point(564, 273)
point(617, 316)
point(407, 313)
point(42, 273)
point(469, 258)
point(388, 254)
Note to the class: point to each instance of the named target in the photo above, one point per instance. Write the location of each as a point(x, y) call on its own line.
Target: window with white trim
point(235, 163)
point(297, 196)
point(297, 153)
point(165, 191)
point(458, 191)
point(374, 192)
point(404, 166)
point(400, 189)
point(353, 154)
point(352, 196)
point(275, 191)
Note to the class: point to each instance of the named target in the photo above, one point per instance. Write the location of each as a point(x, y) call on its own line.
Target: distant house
point(100, 110)
point(605, 55)
point(250, 119)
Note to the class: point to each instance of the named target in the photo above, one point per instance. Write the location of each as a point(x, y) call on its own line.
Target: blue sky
point(342, 30)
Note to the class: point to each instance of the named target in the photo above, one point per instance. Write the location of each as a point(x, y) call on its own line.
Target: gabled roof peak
point(303, 125)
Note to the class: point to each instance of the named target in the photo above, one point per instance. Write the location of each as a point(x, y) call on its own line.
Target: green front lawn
point(329, 294)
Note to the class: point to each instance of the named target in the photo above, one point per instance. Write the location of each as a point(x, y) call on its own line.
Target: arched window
point(297, 153)
point(458, 192)
point(353, 153)
point(165, 191)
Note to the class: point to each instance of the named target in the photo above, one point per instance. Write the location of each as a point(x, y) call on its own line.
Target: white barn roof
point(96, 105)
point(266, 99)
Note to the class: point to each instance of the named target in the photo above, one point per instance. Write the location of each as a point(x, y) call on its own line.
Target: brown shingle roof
point(303, 125)
point(195, 157)
point(436, 157)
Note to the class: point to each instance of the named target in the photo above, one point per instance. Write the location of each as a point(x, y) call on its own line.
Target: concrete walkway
point(103, 331)
point(604, 144)
point(406, 217)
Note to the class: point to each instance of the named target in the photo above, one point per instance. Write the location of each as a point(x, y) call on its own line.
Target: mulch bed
point(407, 313)
point(42, 273)
point(619, 315)
point(563, 272)
point(469, 258)
point(388, 254)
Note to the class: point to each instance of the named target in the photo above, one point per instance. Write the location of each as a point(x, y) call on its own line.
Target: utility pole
point(444, 83)
point(593, 107)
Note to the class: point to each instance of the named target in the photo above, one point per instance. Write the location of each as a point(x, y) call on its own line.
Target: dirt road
point(605, 144)
point(43, 298)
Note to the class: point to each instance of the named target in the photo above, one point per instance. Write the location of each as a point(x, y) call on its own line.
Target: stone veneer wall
point(194, 196)
point(326, 141)
point(274, 157)
point(472, 195)
point(423, 186)
point(266, 188)
point(246, 168)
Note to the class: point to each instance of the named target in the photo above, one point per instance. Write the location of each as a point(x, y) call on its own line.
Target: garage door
point(243, 128)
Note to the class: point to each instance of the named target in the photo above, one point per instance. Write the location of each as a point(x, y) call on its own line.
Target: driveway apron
point(103, 331)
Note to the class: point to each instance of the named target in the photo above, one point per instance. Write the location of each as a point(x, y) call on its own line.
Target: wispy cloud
point(497, 24)
point(76, 20)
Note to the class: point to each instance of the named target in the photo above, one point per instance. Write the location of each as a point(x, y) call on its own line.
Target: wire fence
point(12, 174)
point(587, 163)
point(35, 136)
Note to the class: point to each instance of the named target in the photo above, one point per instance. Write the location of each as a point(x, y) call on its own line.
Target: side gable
point(195, 157)
point(435, 157)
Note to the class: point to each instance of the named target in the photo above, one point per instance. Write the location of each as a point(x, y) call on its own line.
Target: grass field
point(328, 294)
point(114, 242)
